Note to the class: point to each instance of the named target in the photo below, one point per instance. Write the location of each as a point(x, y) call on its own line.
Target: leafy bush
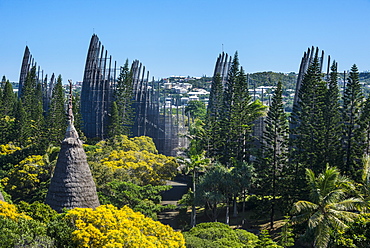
point(215, 234)
point(23, 233)
point(356, 235)
point(20, 230)
point(145, 199)
point(60, 230)
point(38, 211)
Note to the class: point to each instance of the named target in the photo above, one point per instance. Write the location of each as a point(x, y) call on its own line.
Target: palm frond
point(304, 206)
point(316, 219)
point(342, 216)
point(350, 204)
point(322, 236)
point(334, 196)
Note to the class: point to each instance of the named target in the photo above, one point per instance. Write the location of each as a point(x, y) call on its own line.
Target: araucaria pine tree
point(124, 99)
point(332, 120)
point(31, 99)
point(7, 111)
point(227, 151)
point(351, 111)
point(308, 127)
point(8, 99)
point(239, 111)
point(22, 125)
point(56, 118)
point(115, 126)
point(275, 150)
point(213, 118)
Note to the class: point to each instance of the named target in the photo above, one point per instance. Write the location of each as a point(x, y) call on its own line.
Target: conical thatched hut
point(72, 184)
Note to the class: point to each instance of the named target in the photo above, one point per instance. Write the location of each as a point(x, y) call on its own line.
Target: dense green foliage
point(56, 117)
point(124, 100)
point(229, 123)
point(357, 234)
point(215, 234)
point(274, 160)
point(145, 199)
point(196, 109)
point(351, 112)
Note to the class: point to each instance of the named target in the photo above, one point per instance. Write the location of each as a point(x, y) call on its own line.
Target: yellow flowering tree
point(25, 178)
point(9, 211)
point(130, 159)
point(7, 156)
point(148, 168)
point(108, 226)
point(9, 148)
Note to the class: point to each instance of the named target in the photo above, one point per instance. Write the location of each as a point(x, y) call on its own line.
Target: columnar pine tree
point(332, 120)
point(228, 100)
point(28, 90)
point(31, 99)
point(237, 115)
point(124, 98)
point(7, 110)
point(22, 125)
point(213, 118)
point(115, 126)
point(241, 124)
point(352, 104)
point(275, 150)
point(57, 122)
point(8, 99)
point(308, 121)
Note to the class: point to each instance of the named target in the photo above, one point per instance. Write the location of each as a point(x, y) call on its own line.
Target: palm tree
point(197, 163)
point(330, 208)
point(365, 179)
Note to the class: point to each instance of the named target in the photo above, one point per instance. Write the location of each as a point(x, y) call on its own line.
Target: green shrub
point(37, 211)
point(215, 234)
point(23, 233)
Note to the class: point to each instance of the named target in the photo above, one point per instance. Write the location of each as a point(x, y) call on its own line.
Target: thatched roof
point(72, 184)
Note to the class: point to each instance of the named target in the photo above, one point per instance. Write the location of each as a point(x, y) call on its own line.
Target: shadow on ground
point(171, 197)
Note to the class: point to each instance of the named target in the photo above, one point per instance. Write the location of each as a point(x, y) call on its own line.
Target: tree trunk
point(235, 207)
point(227, 212)
point(193, 210)
point(244, 196)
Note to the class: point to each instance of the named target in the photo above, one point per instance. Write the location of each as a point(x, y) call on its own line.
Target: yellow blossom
point(107, 226)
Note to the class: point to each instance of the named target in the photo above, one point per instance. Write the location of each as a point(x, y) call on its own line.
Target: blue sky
point(183, 37)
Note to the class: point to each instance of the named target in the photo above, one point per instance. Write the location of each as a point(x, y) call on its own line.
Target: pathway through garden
point(172, 196)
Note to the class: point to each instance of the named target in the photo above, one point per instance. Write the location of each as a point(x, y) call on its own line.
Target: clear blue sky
point(183, 37)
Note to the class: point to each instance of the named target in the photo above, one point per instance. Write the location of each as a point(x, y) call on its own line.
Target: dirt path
point(172, 196)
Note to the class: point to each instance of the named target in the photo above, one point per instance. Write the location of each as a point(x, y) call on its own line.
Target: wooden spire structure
point(222, 66)
point(97, 90)
point(98, 93)
point(306, 61)
point(28, 62)
point(72, 184)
